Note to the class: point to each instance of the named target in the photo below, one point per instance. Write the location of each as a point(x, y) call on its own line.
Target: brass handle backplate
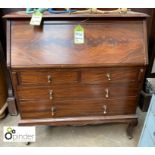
point(104, 109)
point(107, 93)
point(50, 94)
point(49, 78)
point(108, 76)
point(53, 111)
point(141, 73)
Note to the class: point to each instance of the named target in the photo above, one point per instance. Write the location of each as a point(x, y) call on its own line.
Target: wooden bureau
point(58, 82)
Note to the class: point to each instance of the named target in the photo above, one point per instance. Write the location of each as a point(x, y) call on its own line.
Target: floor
point(107, 135)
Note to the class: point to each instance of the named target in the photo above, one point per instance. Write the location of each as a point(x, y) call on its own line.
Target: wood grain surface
point(78, 91)
point(74, 108)
point(22, 15)
point(107, 43)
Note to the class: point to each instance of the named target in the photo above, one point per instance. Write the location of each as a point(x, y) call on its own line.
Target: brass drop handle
point(107, 93)
point(53, 111)
point(108, 76)
point(51, 94)
point(140, 76)
point(49, 78)
point(104, 109)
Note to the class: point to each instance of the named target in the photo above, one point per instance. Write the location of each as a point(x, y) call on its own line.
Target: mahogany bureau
point(58, 82)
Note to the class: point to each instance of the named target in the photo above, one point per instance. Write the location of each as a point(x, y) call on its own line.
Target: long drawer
point(75, 108)
point(78, 91)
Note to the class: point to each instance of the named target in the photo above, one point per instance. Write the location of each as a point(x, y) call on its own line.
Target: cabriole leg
point(130, 128)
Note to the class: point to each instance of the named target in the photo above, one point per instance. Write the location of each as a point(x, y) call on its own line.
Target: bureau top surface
point(107, 42)
point(22, 14)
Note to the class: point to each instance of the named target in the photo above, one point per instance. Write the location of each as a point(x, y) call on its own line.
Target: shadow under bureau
point(57, 82)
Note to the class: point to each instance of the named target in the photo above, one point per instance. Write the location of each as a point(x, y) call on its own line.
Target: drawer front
point(77, 91)
point(75, 108)
point(47, 77)
point(118, 75)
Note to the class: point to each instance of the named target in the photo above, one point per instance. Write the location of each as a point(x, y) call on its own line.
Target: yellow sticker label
point(78, 34)
point(36, 18)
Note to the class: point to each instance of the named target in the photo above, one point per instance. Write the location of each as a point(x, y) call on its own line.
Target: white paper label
point(79, 35)
point(36, 18)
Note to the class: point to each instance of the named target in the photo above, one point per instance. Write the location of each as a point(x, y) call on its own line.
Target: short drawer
point(118, 75)
point(47, 77)
point(75, 108)
point(77, 91)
